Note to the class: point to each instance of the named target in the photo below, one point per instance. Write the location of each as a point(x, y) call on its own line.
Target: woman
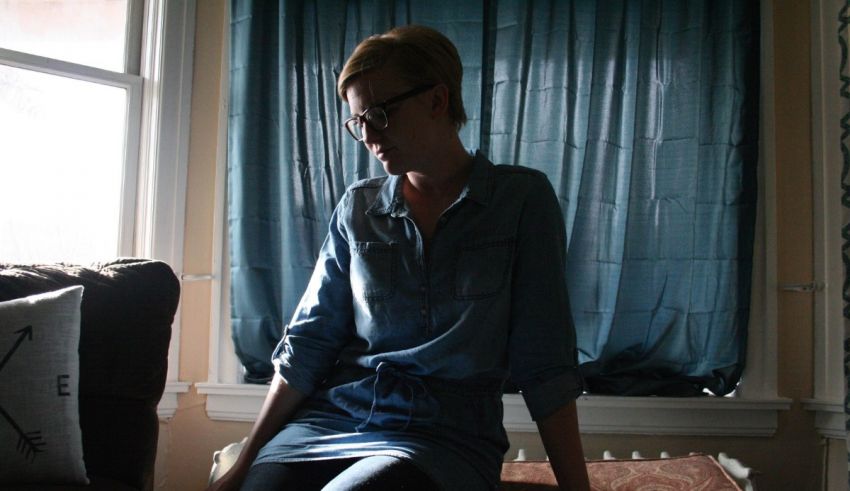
point(434, 284)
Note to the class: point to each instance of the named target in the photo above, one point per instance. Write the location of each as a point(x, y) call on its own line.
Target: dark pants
point(369, 473)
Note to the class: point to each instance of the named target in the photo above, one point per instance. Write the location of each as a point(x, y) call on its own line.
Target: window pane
point(89, 32)
point(61, 167)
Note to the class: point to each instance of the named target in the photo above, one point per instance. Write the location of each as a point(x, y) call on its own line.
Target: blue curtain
point(644, 115)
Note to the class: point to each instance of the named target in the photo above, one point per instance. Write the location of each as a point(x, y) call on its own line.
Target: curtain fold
point(844, 98)
point(643, 115)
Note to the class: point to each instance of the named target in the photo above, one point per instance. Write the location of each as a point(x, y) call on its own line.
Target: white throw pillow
point(40, 439)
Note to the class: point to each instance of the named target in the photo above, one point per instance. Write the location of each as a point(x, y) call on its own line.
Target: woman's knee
point(382, 473)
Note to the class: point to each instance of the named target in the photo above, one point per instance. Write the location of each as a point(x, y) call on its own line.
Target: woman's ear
point(439, 100)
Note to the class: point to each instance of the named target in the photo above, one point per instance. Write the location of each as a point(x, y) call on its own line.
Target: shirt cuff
point(294, 378)
point(545, 398)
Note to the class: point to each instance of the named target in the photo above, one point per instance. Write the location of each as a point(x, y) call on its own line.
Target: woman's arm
point(562, 441)
point(281, 402)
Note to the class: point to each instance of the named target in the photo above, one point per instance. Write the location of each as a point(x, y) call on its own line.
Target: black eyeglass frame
point(361, 118)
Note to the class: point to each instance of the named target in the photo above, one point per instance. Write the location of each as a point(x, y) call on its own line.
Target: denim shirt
point(399, 337)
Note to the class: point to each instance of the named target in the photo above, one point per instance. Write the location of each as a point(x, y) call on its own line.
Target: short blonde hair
point(419, 55)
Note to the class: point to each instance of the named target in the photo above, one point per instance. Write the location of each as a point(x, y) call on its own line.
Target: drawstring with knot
point(411, 383)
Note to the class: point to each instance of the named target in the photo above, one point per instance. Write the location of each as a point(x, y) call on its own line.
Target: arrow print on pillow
point(29, 443)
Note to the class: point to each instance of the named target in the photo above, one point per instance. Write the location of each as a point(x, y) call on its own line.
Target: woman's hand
point(281, 402)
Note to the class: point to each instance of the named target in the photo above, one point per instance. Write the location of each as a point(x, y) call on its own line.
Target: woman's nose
point(370, 135)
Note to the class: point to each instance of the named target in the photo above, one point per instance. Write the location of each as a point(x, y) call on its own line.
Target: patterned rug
point(693, 473)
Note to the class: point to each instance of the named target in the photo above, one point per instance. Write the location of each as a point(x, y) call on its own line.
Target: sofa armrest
point(126, 314)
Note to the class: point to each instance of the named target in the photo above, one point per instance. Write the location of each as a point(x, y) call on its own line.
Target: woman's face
point(402, 146)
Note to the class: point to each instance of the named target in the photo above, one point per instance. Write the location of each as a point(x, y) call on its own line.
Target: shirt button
point(422, 288)
point(423, 311)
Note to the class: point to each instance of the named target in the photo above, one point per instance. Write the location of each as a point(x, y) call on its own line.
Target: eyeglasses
point(376, 115)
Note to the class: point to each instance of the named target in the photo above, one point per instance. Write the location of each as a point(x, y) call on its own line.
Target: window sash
point(133, 86)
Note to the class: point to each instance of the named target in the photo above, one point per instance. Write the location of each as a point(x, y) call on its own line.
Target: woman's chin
point(390, 170)
point(391, 165)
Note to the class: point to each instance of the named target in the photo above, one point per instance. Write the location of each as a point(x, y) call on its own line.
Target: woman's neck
point(429, 193)
point(445, 175)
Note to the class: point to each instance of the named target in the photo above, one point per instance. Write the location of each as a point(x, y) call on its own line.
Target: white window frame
point(168, 43)
point(157, 78)
point(752, 412)
point(829, 216)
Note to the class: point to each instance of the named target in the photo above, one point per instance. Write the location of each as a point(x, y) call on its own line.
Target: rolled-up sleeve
point(322, 322)
point(542, 346)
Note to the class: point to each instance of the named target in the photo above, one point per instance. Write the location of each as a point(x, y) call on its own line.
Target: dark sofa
point(127, 309)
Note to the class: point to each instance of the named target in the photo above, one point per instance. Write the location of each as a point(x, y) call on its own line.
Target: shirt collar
point(390, 199)
point(479, 186)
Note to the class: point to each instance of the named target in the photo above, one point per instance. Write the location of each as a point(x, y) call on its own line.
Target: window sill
point(168, 404)
point(597, 414)
point(829, 417)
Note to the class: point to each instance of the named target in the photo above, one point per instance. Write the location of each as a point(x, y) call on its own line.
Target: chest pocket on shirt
point(373, 272)
point(482, 268)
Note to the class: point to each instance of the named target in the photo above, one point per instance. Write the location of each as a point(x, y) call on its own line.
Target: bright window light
point(61, 164)
point(88, 32)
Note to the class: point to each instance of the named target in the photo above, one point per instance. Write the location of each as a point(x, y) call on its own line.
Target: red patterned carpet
point(692, 473)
